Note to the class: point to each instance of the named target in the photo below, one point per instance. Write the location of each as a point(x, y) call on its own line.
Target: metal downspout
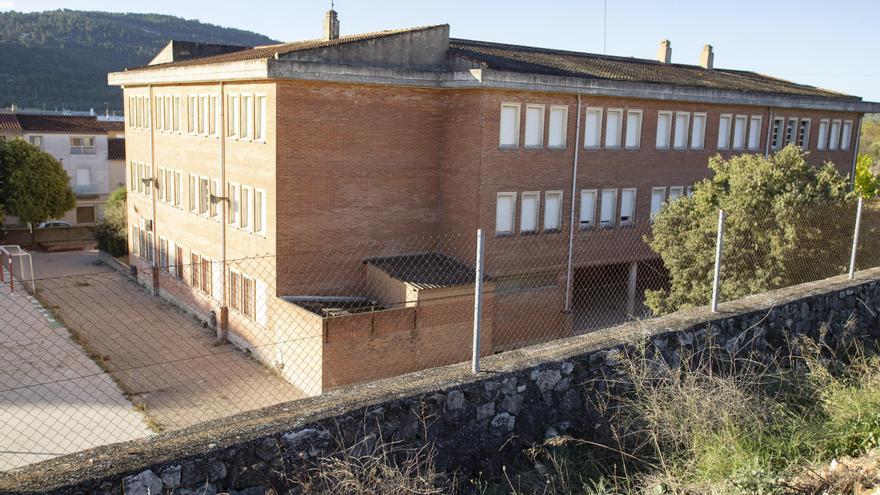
point(574, 173)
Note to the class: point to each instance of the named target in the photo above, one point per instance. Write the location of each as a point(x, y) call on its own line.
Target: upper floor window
point(724, 123)
point(613, 124)
point(505, 210)
point(823, 134)
point(552, 210)
point(803, 134)
point(528, 216)
point(658, 197)
point(588, 208)
point(739, 132)
point(260, 117)
point(834, 136)
point(776, 133)
point(534, 137)
point(682, 125)
point(593, 128)
point(698, 133)
point(36, 141)
point(791, 130)
point(608, 208)
point(633, 129)
point(556, 137)
point(846, 135)
point(509, 132)
point(664, 130)
point(627, 206)
point(82, 145)
point(755, 122)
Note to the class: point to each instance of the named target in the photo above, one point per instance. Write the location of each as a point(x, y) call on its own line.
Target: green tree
point(870, 139)
point(783, 225)
point(112, 229)
point(33, 185)
point(867, 183)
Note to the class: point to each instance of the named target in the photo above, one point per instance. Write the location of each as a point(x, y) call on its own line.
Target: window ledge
point(504, 234)
point(508, 147)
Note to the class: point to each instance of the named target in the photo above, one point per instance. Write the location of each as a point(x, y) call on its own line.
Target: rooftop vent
point(664, 54)
point(707, 59)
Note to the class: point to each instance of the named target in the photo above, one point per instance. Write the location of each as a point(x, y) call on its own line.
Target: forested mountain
point(60, 59)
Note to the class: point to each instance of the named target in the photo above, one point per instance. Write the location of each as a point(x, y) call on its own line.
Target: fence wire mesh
point(179, 339)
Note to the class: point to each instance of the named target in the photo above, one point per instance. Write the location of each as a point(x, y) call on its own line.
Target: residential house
point(310, 154)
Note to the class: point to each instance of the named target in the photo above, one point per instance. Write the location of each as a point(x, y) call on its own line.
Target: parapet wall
point(474, 422)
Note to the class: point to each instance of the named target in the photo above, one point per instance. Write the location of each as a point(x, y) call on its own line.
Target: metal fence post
point(11, 277)
point(855, 245)
point(478, 302)
point(717, 278)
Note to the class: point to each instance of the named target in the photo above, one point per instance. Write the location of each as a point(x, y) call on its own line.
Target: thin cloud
point(6, 4)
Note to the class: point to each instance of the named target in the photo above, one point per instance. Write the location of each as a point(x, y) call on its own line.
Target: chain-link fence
point(178, 339)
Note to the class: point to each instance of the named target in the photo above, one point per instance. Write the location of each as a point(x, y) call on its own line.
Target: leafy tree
point(33, 185)
point(867, 183)
point(112, 229)
point(783, 226)
point(870, 139)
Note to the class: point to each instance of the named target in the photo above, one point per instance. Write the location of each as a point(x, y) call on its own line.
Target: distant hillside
point(61, 58)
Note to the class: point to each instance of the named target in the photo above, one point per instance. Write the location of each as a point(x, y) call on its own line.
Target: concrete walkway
point(54, 399)
point(166, 361)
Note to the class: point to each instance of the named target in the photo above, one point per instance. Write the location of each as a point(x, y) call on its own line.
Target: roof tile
point(59, 123)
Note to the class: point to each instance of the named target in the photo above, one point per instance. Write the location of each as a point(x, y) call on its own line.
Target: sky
point(830, 44)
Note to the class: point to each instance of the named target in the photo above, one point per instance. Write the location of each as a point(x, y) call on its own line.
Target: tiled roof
point(328, 306)
point(116, 148)
point(59, 123)
point(271, 51)
point(112, 125)
point(514, 58)
point(425, 270)
point(9, 123)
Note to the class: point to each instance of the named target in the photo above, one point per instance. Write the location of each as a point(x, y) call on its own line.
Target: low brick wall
point(475, 422)
point(48, 238)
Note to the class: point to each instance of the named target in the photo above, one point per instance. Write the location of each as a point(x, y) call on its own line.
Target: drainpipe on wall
point(858, 131)
point(574, 172)
point(153, 178)
point(223, 326)
point(769, 133)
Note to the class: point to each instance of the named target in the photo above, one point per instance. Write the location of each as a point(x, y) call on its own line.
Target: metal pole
point(718, 242)
point(855, 246)
point(11, 277)
point(571, 219)
point(478, 303)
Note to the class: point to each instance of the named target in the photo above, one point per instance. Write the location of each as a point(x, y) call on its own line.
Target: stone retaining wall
point(475, 422)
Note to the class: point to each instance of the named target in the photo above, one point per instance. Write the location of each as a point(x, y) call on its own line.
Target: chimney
point(707, 59)
point(664, 54)
point(331, 25)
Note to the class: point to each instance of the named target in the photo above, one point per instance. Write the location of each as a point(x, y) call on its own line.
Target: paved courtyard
point(167, 362)
point(54, 399)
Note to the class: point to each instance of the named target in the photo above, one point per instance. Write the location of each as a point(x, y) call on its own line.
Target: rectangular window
point(846, 134)
point(552, 210)
point(755, 122)
point(160, 113)
point(248, 298)
point(664, 130)
point(204, 193)
point(534, 126)
point(259, 210)
point(148, 187)
point(148, 123)
point(178, 262)
point(588, 208)
point(724, 131)
point(135, 246)
point(212, 113)
point(203, 116)
point(608, 209)
point(505, 208)
point(175, 114)
point(169, 186)
point(593, 128)
point(698, 134)
point(675, 192)
point(558, 127)
point(192, 114)
point(206, 275)
point(776, 133)
point(132, 176)
point(739, 132)
point(509, 132)
point(215, 191)
point(161, 189)
point(36, 141)
point(613, 123)
point(245, 207)
point(260, 118)
point(627, 206)
point(803, 134)
point(633, 129)
point(823, 134)
point(791, 130)
point(84, 145)
point(528, 215)
point(163, 254)
point(834, 138)
point(178, 189)
point(235, 291)
point(234, 205)
point(130, 113)
point(140, 178)
point(168, 113)
point(193, 193)
point(658, 197)
point(247, 117)
point(682, 125)
point(195, 269)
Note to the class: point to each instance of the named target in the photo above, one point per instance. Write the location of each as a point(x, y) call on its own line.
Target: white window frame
point(234, 204)
point(724, 144)
point(512, 219)
point(632, 216)
point(558, 227)
point(639, 114)
point(563, 131)
point(744, 134)
point(179, 188)
point(613, 213)
point(777, 133)
point(695, 145)
point(823, 133)
point(846, 135)
point(664, 142)
point(247, 208)
point(517, 107)
point(791, 135)
point(834, 141)
point(597, 132)
point(805, 142)
point(654, 191)
point(536, 196)
point(676, 191)
point(756, 144)
point(591, 222)
point(618, 132)
point(687, 130)
point(247, 117)
point(259, 212)
point(260, 117)
point(541, 116)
